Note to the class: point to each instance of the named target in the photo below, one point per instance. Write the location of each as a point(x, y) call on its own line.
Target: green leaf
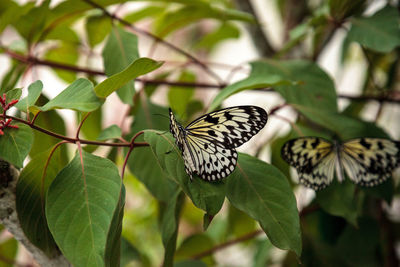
point(8, 252)
point(15, 144)
point(193, 245)
point(128, 253)
point(169, 226)
point(222, 33)
point(359, 246)
point(32, 186)
point(142, 163)
point(179, 97)
point(147, 11)
point(239, 223)
point(11, 12)
point(91, 127)
point(31, 25)
point(12, 76)
point(186, 15)
point(339, 200)
point(80, 206)
point(66, 34)
point(78, 96)
point(205, 195)
point(113, 244)
point(119, 52)
point(13, 94)
point(263, 254)
point(65, 53)
point(34, 91)
point(263, 192)
point(97, 28)
point(190, 263)
point(111, 132)
point(343, 126)
point(299, 82)
point(138, 67)
point(379, 32)
point(48, 120)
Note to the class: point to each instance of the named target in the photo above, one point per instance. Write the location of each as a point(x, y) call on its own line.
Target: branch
point(34, 60)
point(157, 39)
point(260, 40)
point(9, 218)
point(74, 140)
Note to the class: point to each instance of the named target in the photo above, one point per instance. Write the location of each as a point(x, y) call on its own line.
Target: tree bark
point(9, 219)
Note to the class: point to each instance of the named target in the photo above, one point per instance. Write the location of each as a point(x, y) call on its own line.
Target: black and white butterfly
point(367, 161)
point(208, 143)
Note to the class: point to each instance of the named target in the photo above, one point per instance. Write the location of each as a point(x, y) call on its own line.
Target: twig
point(74, 140)
point(227, 244)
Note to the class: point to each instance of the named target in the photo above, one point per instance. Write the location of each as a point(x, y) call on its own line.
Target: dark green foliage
point(78, 205)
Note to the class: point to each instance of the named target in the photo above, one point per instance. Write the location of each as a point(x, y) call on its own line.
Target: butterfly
point(367, 161)
point(208, 143)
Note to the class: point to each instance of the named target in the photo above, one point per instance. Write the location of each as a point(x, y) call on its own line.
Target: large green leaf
point(78, 96)
point(121, 50)
point(34, 91)
point(379, 32)
point(15, 144)
point(138, 67)
point(32, 186)
point(80, 206)
point(263, 192)
point(205, 195)
point(169, 226)
point(299, 82)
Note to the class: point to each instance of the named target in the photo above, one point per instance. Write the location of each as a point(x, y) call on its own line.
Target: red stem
point(73, 140)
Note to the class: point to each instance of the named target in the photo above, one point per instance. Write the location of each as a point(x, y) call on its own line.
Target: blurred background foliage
point(206, 46)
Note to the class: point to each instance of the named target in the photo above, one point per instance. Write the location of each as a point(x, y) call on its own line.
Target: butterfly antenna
point(162, 115)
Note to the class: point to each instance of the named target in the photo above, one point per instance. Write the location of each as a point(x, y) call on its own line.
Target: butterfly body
point(208, 143)
point(366, 161)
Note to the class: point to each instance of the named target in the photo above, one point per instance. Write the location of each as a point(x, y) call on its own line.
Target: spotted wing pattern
point(370, 161)
point(208, 143)
point(313, 158)
point(231, 127)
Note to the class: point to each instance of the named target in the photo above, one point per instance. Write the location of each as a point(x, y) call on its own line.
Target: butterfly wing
point(211, 160)
point(313, 158)
point(370, 161)
point(230, 127)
